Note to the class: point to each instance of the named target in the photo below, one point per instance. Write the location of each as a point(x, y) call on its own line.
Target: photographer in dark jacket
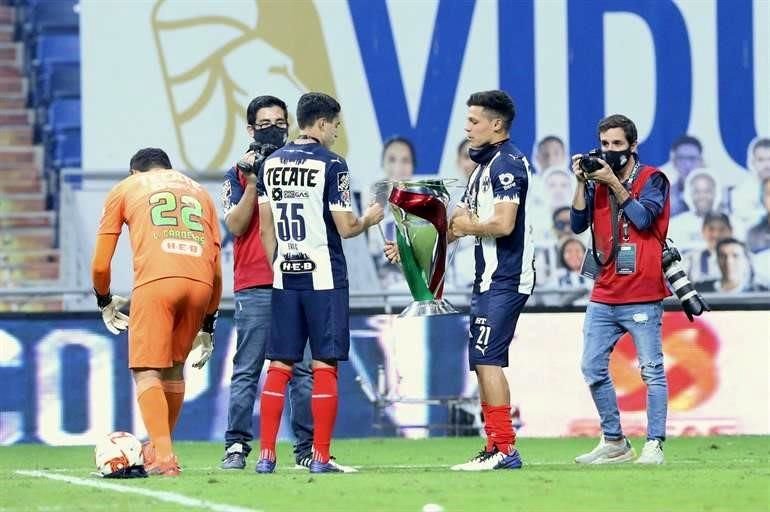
point(627, 205)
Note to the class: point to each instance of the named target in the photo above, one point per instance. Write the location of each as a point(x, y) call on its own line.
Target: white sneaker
point(608, 453)
point(652, 453)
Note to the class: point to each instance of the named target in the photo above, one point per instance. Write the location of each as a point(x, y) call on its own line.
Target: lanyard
point(628, 184)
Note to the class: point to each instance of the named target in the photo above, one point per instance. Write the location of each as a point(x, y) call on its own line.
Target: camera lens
point(692, 303)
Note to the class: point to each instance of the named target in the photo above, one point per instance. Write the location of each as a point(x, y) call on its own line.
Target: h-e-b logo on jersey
point(297, 263)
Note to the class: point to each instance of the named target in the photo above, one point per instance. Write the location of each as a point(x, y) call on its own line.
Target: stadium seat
point(60, 80)
point(67, 150)
point(63, 114)
point(51, 16)
point(51, 48)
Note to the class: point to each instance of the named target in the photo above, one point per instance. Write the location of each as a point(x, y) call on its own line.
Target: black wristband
point(103, 300)
point(210, 322)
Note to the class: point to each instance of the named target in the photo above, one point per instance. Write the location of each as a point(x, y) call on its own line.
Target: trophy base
point(428, 308)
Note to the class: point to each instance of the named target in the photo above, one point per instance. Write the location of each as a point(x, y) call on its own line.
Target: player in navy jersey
point(268, 126)
point(495, 210)
point(304, 204)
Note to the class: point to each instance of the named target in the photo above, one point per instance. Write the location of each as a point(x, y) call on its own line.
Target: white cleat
point(305, 462)
point(608, 453)
point(652, 453)
point(341, 467)
point(487, 461)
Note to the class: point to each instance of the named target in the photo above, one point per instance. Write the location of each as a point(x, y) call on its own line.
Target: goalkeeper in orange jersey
point(175, 242)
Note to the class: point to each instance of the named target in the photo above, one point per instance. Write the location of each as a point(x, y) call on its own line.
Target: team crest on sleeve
point(485, 182)
point(343, 181)
point(507, 180)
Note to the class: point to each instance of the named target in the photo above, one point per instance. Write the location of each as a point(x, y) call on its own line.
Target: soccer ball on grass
point(119, 455)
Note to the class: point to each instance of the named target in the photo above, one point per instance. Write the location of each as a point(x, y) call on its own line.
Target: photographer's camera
point(589, 162)
point(261, 151)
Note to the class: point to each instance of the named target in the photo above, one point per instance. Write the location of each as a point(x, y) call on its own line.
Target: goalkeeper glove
point(205, 339)
point(110, 305)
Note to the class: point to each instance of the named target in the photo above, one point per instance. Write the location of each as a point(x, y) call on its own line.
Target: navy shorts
point(494, 314)
point(321, 315)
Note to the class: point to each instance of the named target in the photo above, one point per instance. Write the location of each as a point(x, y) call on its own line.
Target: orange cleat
point(164, 467)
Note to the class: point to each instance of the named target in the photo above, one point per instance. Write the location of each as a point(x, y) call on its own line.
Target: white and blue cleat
point(265, 466)
point(316, 466)
point(488, 461)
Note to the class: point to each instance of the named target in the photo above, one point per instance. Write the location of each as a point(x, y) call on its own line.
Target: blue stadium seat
point(57, 48)
point(58, 80)
point(67, 152)
point(51, 17)
point(63, 114)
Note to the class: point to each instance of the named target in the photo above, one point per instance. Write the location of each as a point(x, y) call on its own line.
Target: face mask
point(617, 159)
point(485, 153)
point(271, 136)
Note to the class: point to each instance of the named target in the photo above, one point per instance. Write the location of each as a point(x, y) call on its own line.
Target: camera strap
point(614, 231)
point(616, 216)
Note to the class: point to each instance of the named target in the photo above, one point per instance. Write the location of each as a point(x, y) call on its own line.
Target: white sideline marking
point(171, 497)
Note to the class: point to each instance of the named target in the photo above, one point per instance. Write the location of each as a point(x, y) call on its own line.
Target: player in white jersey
point(495, 210)
point(305, 208)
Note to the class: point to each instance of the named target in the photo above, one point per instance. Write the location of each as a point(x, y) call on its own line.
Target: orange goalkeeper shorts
point(166, 315)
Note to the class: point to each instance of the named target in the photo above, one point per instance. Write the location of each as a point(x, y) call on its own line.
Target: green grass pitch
point(700, 474)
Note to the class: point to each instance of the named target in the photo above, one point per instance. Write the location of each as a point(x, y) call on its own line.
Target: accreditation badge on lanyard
point(625, 259)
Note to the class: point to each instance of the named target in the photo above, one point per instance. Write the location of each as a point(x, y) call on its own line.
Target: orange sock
point(174, 391)
point(152, 403)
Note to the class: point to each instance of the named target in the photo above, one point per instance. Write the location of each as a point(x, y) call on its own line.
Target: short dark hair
point(712, 217)
point(550, 138)
point(729, 241)
point(399, 139)
point(498, 102)
point(264, 102)
point(764, 142)
point(618, 121)
point(313, 106)
point(149, 158)
point(687, 140)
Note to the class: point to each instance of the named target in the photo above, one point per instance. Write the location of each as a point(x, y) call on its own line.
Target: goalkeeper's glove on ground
point(205, 339)
point(110, 305)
